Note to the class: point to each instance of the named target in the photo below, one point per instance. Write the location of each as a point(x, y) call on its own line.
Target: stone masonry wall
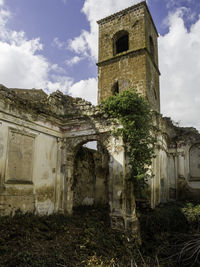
point(129, 71)
point(136, 67)
point(132, 21)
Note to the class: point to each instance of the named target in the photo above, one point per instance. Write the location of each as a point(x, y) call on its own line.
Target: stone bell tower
point(128, 54)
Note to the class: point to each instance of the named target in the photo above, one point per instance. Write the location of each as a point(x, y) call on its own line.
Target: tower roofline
point(124, 11)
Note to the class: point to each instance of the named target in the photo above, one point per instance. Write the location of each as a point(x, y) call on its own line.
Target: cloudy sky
point(52, 44)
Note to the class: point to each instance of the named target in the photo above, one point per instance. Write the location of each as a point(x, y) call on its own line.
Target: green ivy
point(134, 114)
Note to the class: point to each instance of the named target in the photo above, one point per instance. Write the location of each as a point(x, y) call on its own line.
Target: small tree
point(133, 113)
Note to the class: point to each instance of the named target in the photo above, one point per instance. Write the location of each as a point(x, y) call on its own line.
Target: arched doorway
point(98, 177)
point(90, 176)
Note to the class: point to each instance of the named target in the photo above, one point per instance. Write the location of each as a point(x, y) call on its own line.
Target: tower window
point(151, 46)
point(115, 88)
point(121, 42)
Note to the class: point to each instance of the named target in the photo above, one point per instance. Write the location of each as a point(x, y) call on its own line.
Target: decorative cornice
point(130, 53)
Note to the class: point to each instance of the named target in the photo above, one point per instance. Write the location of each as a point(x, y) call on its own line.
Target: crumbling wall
point(33, 127)
point(90, 178)
point(28, 165)
point(41, 135)
point(188, 176)
point(176, 166)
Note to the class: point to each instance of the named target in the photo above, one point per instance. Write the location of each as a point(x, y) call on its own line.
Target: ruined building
point(44, 167)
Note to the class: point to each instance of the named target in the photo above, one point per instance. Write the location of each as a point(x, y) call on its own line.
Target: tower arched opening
point(121, 42)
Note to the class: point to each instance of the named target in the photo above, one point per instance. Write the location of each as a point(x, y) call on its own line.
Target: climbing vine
point(133, 113)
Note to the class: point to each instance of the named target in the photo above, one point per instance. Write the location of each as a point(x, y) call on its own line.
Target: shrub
point(133, 113)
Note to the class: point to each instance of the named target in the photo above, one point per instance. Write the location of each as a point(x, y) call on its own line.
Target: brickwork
point(136, 67)
point(124, 70)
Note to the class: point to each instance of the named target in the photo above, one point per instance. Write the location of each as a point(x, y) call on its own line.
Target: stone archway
point(120, 192)
point(71, 147)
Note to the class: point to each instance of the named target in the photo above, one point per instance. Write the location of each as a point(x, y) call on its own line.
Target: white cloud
point(59, 44)
point(61, 83)
point(73, 61)
point(86, 89)
point(1, 2)
point(179, 53)
point(19, 67)
point(80, 44)
point(22, 64)
point(87, 43)
point(58, 69)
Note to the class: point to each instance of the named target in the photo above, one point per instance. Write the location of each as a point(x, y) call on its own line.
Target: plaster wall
point(28, 167)
point(188, 177)
point(163, 173)
point(176, 166)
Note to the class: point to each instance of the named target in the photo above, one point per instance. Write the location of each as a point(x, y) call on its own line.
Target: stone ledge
point(129, 53)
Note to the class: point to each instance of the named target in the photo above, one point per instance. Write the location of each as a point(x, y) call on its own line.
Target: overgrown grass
point(81, 240)
point(170, 235)
point(169, 232)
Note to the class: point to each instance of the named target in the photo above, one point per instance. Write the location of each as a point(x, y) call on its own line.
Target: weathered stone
point(137, 65)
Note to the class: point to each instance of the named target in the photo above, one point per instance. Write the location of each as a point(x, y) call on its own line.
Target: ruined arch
point(120, 195)
point(120, 42)
point(70, 151)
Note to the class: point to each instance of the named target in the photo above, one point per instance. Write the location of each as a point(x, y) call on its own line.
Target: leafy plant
point(192, 213)
point(134, 114)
